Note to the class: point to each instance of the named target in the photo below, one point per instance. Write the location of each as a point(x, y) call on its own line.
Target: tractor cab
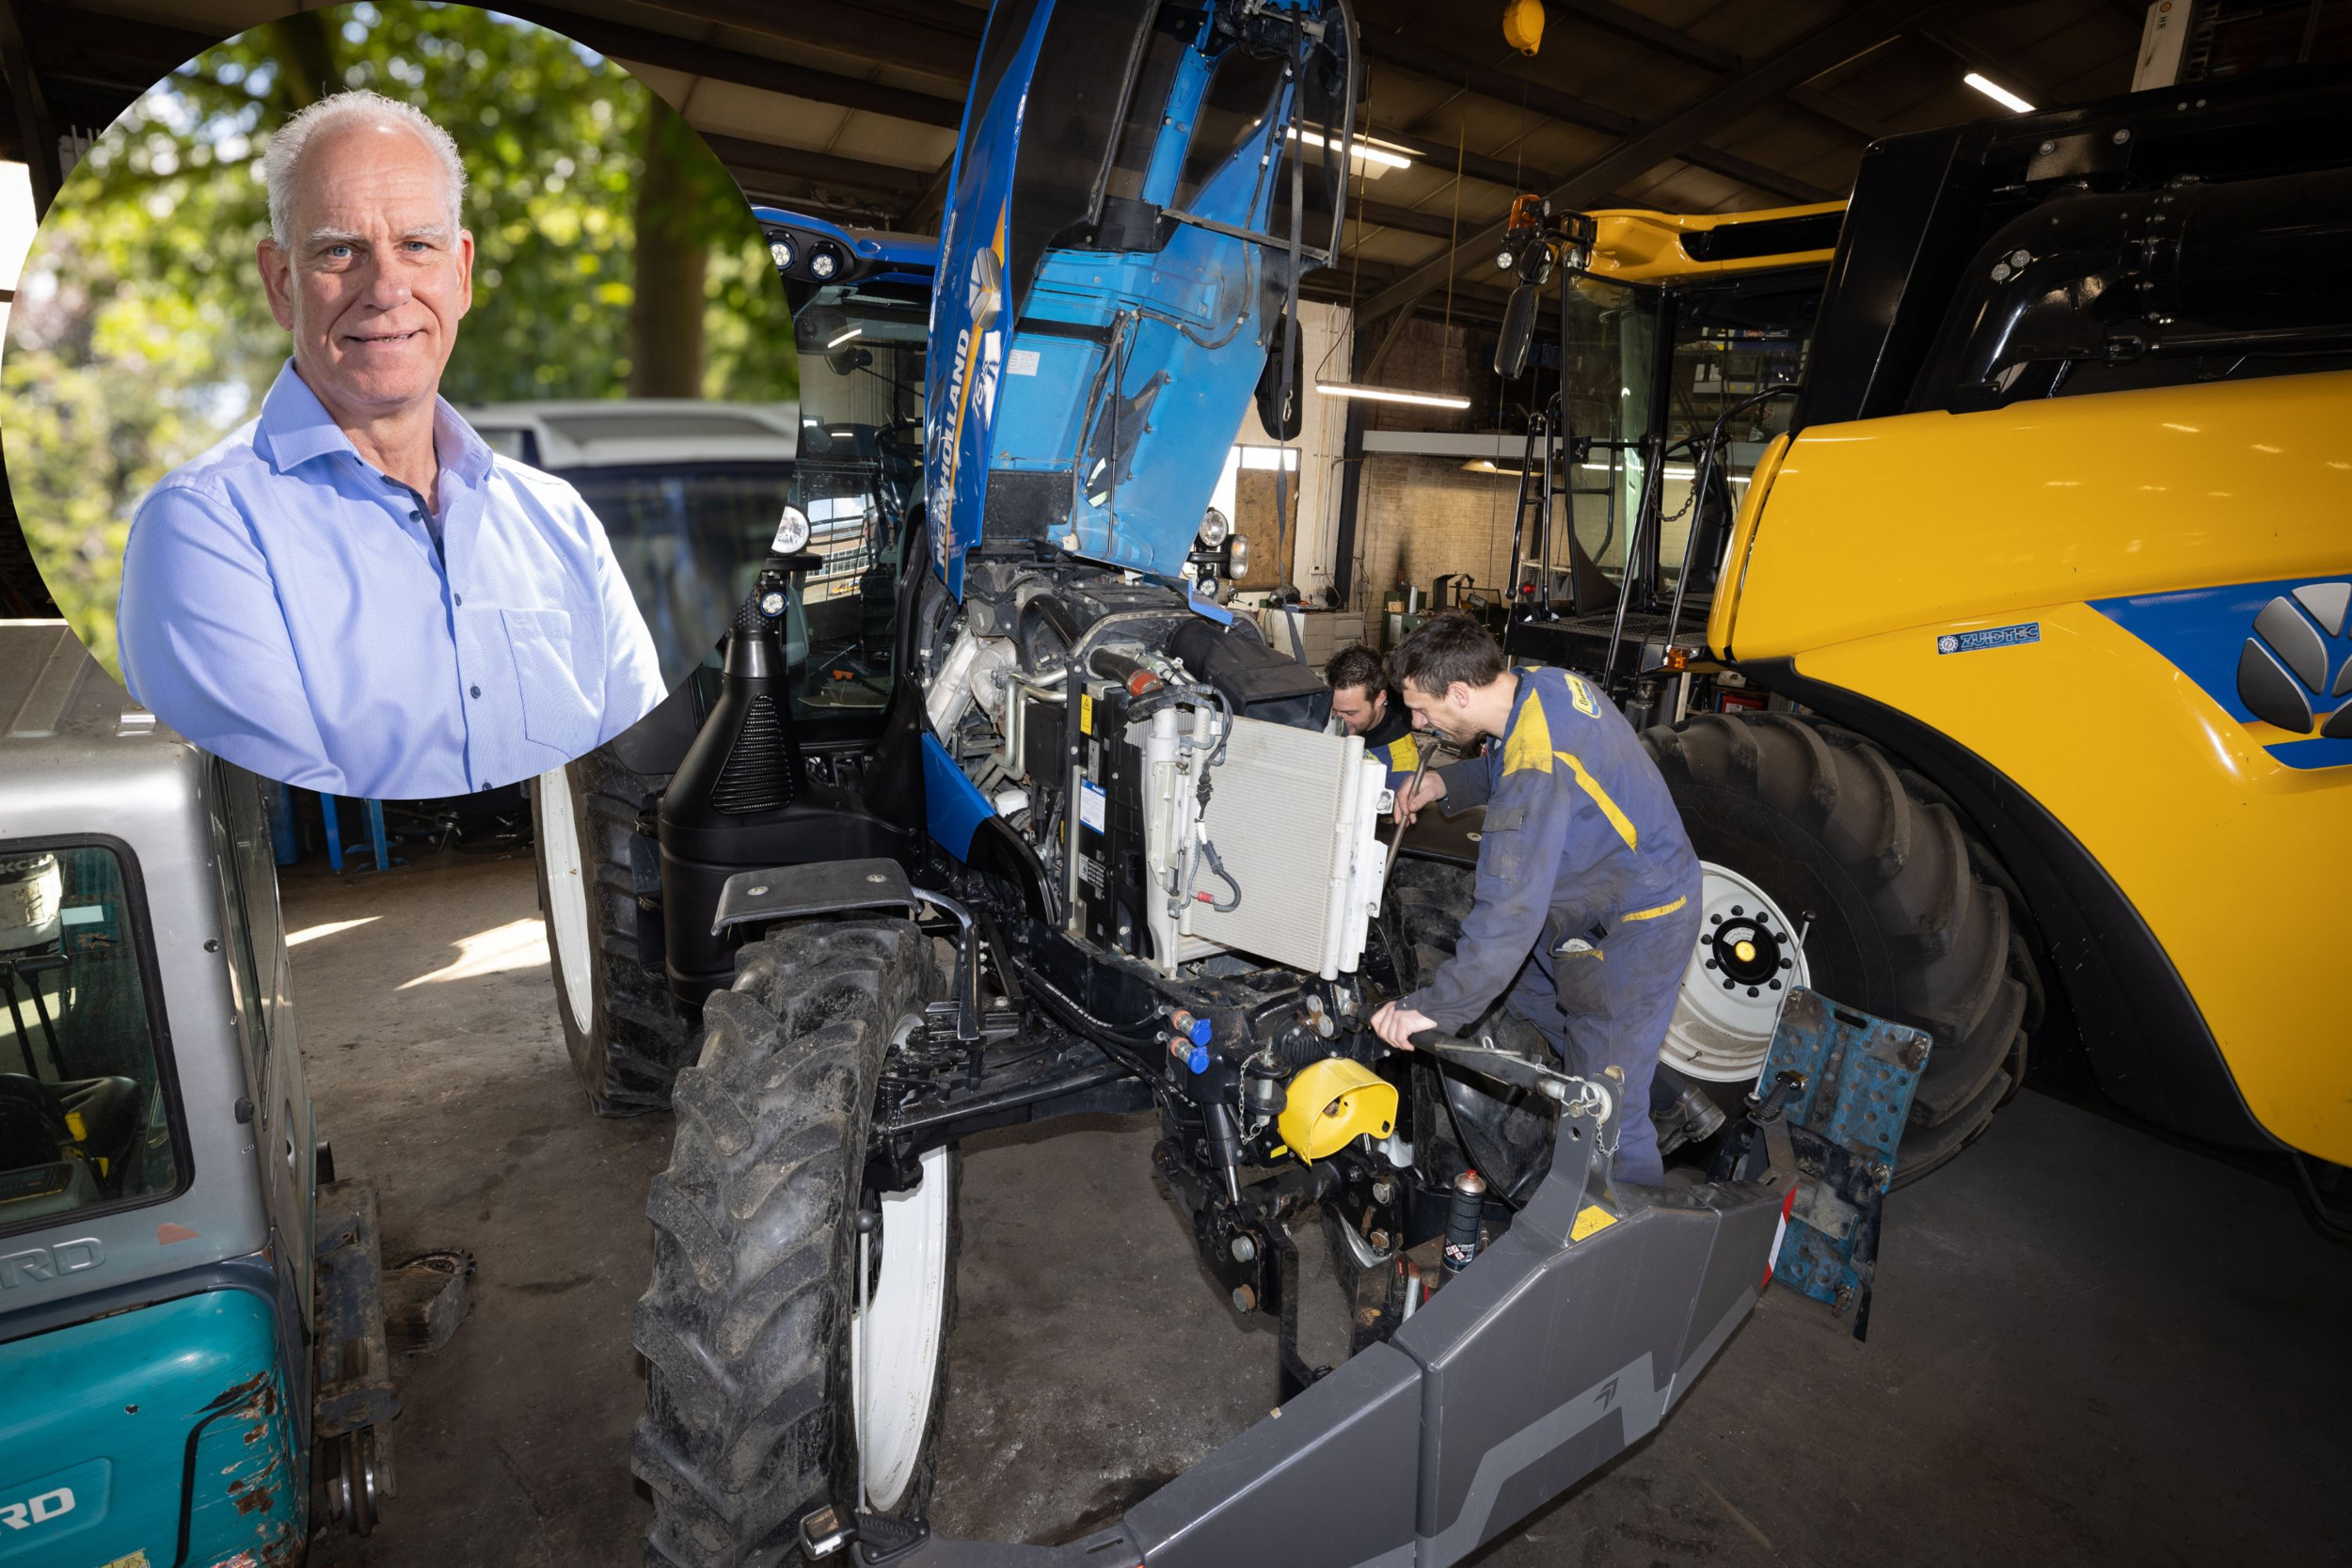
point(861, 318)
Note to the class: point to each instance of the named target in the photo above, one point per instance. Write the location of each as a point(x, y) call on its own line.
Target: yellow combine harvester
point(2023, 702)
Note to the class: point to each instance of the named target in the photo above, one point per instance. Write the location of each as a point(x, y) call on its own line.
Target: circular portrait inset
point(399, 399)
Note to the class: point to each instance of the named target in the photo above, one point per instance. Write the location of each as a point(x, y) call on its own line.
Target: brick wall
point(1420, 516)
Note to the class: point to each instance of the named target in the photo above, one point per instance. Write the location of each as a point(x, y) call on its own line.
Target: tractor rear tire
point(1901, 925)
point(626, 1039)
point(747, 1327)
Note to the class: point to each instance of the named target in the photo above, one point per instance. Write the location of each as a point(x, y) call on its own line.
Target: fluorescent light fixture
point(1360, 148)
point(1999, 94)
point(1670, 472)
point(1389, 394)
point(854, 332)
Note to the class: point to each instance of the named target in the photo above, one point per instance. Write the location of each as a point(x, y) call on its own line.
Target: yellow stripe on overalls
point(1530, 746)
point(1655, 913)
point(1609, 809)
point(1530, 743)
point(1403, 756)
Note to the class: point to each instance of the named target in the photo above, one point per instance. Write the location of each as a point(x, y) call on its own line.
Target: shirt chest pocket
point(556, 711)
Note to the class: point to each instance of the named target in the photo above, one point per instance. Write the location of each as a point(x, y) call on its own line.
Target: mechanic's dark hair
point(1358, 666)
point(1444, 649)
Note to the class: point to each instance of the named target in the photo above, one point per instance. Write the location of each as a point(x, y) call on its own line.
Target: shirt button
point(458, 598)
point(416, 516)
point(476, 690)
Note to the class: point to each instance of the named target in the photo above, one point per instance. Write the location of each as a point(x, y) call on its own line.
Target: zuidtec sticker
point(1991, 636)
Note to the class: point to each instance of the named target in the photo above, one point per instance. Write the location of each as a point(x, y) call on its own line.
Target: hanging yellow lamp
point(1523, 26)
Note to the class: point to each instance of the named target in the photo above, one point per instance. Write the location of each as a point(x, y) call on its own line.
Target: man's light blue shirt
point(286, 605)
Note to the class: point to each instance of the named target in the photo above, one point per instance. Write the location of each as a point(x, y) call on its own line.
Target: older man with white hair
point(351, 593)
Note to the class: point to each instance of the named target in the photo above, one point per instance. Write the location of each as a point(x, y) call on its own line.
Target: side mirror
point(1519, 332)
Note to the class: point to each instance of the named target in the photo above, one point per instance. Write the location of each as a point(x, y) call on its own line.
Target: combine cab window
point(1727, 343)
point(86, 1116)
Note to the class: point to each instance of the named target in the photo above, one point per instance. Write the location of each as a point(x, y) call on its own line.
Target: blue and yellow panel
point(2273, 655)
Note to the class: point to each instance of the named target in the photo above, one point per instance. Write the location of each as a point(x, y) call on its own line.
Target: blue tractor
point(1059, 833)
point(191, 1306)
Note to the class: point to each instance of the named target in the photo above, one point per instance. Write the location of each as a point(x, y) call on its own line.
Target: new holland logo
point(2283, 671)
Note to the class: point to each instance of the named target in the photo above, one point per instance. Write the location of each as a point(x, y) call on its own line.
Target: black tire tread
point(745, 1326)
point(1932, 938)
point(629, 1056)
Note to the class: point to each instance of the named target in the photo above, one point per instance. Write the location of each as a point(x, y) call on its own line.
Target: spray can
point(1461, 1220)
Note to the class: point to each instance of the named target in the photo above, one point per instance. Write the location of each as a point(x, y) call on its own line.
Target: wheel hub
point(1742, 968)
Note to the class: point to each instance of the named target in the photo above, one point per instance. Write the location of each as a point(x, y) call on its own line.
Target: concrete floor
point(2088, 1346)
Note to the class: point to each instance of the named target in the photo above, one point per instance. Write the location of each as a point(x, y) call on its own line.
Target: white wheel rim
point(894, 1340)
point(1721, 1032)
point(558, 832)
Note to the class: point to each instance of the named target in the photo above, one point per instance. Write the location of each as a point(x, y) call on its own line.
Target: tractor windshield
point(85, 1116)
point(862, 347)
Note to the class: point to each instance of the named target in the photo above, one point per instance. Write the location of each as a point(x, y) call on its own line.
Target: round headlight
point(771, 603)
point(823, 262)
point(791, 532)
point(1237, 558)
point(1213, 527)
point(782, 252)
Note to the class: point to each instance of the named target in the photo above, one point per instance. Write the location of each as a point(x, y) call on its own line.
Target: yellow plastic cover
point(1331, 1103)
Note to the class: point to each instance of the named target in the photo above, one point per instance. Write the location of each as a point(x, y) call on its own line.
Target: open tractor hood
point(1137, 187)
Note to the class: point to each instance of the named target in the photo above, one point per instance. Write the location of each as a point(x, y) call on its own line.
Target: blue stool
point(377, 836)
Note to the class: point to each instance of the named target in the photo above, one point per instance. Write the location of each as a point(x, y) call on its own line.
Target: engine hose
point(1123, 1034)
point(1216, 867)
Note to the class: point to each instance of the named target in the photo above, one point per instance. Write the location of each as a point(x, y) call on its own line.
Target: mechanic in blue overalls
point(1361, 704)
point(1587, 902)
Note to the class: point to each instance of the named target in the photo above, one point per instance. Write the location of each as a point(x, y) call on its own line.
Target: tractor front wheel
point(795, 1333)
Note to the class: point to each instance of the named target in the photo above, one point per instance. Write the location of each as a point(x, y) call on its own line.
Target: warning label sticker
point(1991, 636)
point(1092, 804)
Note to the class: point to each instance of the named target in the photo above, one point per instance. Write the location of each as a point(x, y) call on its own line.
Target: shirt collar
point(296, 427)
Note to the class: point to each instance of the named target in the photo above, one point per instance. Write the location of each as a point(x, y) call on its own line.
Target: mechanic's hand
point(1413, 798)
point(1397, 1024)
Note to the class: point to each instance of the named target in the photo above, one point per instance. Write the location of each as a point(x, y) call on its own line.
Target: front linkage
point(1563, 1341)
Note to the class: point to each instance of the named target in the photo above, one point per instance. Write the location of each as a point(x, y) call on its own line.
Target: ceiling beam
point(644, 46)
point(1829, 44)
point(759, 158)
point(1439, 225)
point(1649, 31)
point(886, 41)
point(1413, 56)
point(1441, 158)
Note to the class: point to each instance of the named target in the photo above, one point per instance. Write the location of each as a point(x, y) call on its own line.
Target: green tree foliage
point(141, 335)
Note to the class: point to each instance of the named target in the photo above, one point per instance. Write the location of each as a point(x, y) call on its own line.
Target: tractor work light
point(825, 262)
point(791, 532)
point(783, 252)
